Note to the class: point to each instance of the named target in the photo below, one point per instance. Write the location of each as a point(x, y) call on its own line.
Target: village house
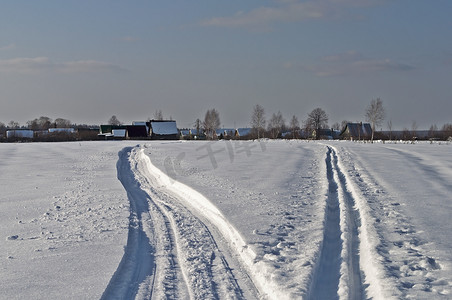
point(163, 130)
point(356, 131)
point(154, 129)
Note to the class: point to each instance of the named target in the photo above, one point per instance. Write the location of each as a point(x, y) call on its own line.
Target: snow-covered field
point(225, 220)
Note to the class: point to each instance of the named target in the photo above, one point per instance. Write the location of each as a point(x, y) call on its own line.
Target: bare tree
point(43, 123)
point(390, 129)
point(114, 121)
point(447, 131)
point(158, 115)
point(375, 114)
point(13, 125)
point(2, 128)
point(336, 126)
point(343, 124)
point(413, 129)
point(294, 126)
point(198, 125)
point(211, 122)
point(317, 120)
point(258, 120)
point(276, 125)
point(432, 133)
point(62, 123)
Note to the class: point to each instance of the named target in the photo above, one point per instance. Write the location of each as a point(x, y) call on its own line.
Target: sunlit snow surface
point(225, 220)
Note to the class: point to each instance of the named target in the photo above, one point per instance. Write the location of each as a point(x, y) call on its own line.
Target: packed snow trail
point(137, 265)
point(349, 265)
point(181, 225)
point(327, 274)
point(200, 208)
point(409, 255)
point(170, 252)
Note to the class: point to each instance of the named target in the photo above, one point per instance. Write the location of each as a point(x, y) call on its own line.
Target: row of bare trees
point(41, 123)
point(276, 126)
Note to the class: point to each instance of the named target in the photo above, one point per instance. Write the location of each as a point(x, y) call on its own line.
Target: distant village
point(168, 130)
point(44, 129)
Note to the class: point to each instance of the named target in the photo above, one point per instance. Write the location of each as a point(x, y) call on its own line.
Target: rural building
point(20, 133)
point(225, 133)
point(61, 130)
point(326, 134)
point(192, 134)
point(158, 130)
point(242, 132)
point(108, 129)
point(136, 131)
point(163, 130)
point(357, 131)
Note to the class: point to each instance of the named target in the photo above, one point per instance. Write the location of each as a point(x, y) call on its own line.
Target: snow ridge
point(259, 272)
point(170, 252)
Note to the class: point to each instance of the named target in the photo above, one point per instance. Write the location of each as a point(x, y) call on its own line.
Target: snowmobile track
point(170, 252)
point(338, 274)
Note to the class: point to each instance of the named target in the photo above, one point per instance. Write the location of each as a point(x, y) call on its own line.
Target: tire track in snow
point(137, 264)
point(150, 253)
point(432, 171)
point(171, 250)
point(256, 275)
point(338, 274)
point(412, 269)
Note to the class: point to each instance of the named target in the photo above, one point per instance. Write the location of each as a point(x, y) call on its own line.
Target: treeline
point(315, 126)
point(44, 129)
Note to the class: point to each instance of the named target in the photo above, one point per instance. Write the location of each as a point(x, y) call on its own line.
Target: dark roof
point(109, 128)
point(357, 130)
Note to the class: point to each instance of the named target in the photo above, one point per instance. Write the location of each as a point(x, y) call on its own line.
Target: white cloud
point(289, 11)
point(285, 12)
point(88, 66)
point(44, 64)
point(8, 47)
point(351, 63)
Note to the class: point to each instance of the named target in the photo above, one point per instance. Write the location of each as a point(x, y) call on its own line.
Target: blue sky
point(89, 60)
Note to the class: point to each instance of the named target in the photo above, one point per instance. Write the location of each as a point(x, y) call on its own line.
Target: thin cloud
point(8, 47)
point(263, 16)
point(285, 11)
point(351, 63)
point(44, 64)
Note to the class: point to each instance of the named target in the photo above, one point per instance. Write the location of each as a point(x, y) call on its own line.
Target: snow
point(19, 133)
point(164, 127)
point(65, 130)
point(225, 220)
